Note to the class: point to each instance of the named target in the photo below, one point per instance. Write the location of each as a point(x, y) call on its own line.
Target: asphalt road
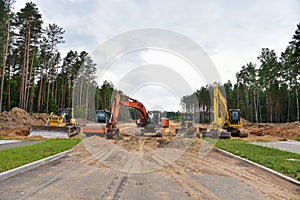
point(66, 179)
point(80, 176)
point(290, 145)
point(6, 144)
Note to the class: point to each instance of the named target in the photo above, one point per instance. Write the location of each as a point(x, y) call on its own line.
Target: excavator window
point(235, 116)
point(102, 116)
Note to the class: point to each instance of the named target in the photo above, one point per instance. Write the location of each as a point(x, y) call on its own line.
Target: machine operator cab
point(68, 115)
point(234, 116)
point(102, 116)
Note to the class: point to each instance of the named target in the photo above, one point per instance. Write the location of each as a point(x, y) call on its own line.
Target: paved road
point(6, 144)
point(80, 176)
point(66, 179)
point(291, 145)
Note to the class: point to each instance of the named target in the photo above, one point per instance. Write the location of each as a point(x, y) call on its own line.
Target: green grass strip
point(18, 156)
point(297, 138)
point(269, 157)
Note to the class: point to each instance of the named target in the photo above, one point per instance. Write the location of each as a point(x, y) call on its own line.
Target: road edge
point(282, 176)
point(23, 168)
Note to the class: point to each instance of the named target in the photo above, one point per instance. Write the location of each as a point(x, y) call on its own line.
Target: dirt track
point(105, 169)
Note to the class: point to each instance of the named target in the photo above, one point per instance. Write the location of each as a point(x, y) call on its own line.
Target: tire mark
point(115, 188)
point(120, 188)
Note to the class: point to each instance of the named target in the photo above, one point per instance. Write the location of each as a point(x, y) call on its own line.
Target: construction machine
point(229, 120)
point(148, 121)
point(61, 124)
point(186, 123)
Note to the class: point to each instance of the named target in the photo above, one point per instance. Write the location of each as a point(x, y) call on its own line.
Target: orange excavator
point(148, 121)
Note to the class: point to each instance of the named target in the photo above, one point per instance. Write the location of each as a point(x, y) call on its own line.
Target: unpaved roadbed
point(91, 172)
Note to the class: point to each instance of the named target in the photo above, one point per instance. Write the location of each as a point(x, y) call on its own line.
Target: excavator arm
point(143, 114)
point(132, 103)
point(220, 108)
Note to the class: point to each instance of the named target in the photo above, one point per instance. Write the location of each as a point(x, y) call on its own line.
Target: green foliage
point(80, 112)
point(52, 106)
point(106, 92)
point(15, 157)
point(174, 118)
point(269, 157)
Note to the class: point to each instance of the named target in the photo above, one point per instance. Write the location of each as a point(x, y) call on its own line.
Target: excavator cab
point(102, 116)
point(154, 118)
point(234, 116)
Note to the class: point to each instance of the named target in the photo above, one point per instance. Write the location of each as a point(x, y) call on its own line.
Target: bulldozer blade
point(51, 131)
point(94, 129)
point(216, 134)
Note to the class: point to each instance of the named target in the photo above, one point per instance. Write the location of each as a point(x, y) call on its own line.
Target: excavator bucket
point(53, 132)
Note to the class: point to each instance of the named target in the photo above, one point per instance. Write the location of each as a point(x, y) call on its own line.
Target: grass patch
point(15, 157)
point(269, 157)
point(297, 138)
point(175, 118)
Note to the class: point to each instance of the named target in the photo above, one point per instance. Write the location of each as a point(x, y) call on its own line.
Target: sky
point(230, 32)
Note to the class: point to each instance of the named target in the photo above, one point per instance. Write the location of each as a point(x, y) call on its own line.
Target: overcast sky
point(231, 32)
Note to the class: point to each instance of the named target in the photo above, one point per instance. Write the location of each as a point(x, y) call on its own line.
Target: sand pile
point(18, 117)
point(285, 130)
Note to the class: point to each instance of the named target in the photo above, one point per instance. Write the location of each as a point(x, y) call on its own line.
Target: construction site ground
point(133, 168)
point(165, 167)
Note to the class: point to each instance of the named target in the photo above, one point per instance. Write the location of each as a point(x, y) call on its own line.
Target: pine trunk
point(4, 61)
point(8, 89)
point(38, 108)
point(297, 104)
point(29, 81)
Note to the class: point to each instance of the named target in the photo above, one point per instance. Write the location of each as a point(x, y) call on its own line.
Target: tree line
point(265, 92)
point(34, 76)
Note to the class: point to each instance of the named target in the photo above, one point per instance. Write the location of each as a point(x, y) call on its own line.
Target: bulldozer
point(227, 122)
point(62, 124)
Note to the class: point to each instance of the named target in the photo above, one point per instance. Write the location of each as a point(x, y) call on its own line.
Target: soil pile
point(18, 117)
point(286, 130)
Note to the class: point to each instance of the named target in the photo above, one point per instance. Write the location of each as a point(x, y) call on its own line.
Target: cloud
point(232, 32)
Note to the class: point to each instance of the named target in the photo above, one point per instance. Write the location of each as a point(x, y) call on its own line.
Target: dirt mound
point(18, 117)
point(246, 122)
point(283, 131)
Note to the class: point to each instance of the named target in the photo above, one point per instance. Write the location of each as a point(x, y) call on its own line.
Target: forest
point(35, 77)
point(265, 92)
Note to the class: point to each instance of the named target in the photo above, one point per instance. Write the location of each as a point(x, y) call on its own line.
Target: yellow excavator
point(229, 120)
point(62, 124)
